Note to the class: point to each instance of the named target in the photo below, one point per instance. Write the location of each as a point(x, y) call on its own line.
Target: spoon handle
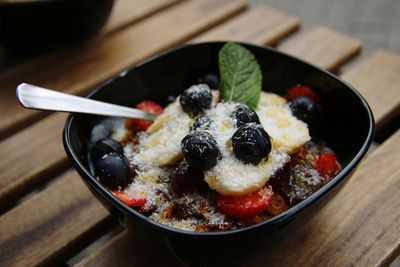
point(35, 97)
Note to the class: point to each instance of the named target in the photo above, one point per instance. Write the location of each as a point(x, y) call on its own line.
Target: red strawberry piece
point(327, 165)
point(131, 201)
point(301, 90)
point(142, 125)
point(242, 207)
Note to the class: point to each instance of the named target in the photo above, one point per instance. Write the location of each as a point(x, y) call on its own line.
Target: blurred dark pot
point(51, 22)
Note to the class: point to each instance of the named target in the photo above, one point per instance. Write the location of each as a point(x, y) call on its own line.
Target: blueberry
point(201, 123)
point(200, 150)
point(196, 99)
point(211, 79)
point(243, 114)
point(306, 109)
point(251, 143)
point(112, 170)
point(105, 146)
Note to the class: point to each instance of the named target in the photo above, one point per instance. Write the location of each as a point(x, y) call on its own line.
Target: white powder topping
point(232, 177)
point(163, 147)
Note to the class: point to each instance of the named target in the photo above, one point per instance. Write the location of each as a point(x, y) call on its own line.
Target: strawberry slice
point(327, 165)
point(301, 90)
point(130, 201)
point(142, 125)
point(242, 207)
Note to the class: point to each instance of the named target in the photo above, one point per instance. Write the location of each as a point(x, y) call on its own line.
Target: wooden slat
point(114, 254)
point(30, 237)
point(79, 69)
point(325, 56)
point(260, 25)
point(30, 157)
point(378, 80)
point(126, 12)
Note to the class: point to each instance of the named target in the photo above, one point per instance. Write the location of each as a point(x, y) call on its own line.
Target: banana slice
point(287, 132)
point(232, 177)
point(270, 99)
point(163, 144)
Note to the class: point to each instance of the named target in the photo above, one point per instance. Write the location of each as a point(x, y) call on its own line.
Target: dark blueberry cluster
point(243, 114)
point(196, 99)
point(250, 143)
point(110, 165)
point(307, 110)
point(200, 150)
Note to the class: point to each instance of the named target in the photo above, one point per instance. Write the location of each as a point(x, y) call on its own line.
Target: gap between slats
point(60, 196)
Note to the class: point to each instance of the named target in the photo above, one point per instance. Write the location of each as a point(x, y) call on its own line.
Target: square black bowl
point(348, 129)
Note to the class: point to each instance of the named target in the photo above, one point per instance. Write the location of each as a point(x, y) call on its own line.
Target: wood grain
point(126, 12)
point(325, 56)
point(42, 228)
point(260, 25)
point(115, 253)
point(378, 81)
point(31, 157)
point(81, 68)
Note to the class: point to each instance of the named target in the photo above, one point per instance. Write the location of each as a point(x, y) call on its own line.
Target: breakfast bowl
point(347, 127)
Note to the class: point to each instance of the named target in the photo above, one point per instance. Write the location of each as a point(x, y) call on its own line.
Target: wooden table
point(48, 217)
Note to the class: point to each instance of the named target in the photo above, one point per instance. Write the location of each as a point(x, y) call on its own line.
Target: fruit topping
point(281, 178)
point(128, 200)
point(105, 146)
point(185, 179)
point(201, 123)
point(327, 165)
point(200, 150)
point(251, 143)
point(278, 204)
point(196, 99)
point(242, 207)
point(243, 114)
point(112, 170)
point(301, 90)
point(306, 109)
point(304, 181)
point(142, 125)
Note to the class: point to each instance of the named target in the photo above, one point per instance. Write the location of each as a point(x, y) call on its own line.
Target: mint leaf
point(240, 75)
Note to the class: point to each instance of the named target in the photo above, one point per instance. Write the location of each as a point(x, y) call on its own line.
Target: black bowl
point(348, 129)
point(47, 23)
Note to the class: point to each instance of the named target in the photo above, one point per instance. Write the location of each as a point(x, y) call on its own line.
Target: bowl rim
point(274, 221)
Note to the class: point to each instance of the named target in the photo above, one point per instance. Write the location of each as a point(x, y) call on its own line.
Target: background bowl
point(348, 129)
point(29, 23)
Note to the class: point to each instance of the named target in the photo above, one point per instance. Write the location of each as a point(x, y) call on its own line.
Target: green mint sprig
point(240, 75)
